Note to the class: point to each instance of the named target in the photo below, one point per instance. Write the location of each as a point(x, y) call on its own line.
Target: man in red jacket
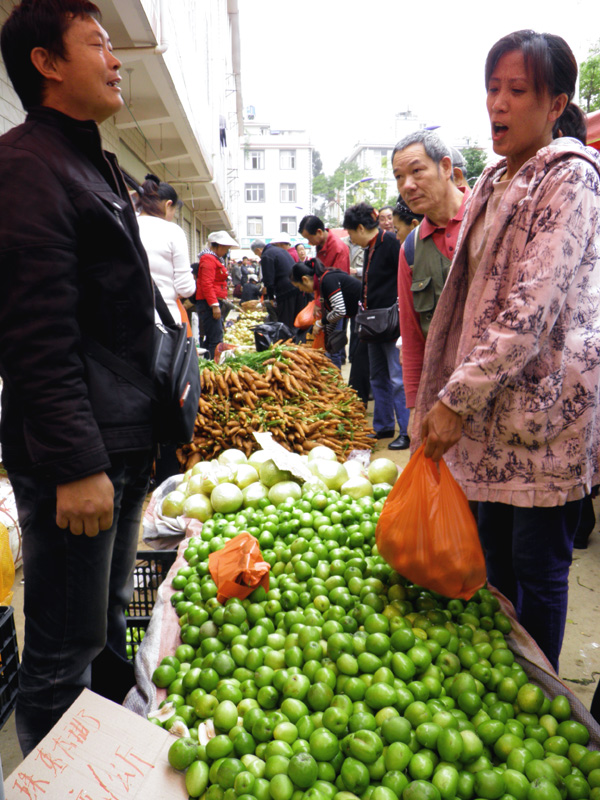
point(330, 250)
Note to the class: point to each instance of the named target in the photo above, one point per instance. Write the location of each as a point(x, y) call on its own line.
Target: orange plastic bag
point(319, 340)
point(238, 569)
point(427, 533)
point(7, 567)
point(307, 317)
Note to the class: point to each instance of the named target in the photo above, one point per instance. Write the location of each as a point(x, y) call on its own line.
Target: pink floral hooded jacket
point(518, 356)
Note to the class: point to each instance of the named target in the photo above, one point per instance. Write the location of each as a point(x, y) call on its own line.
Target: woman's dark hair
point(38, 23)
point(548, 59)
point(403, 212)
point(573, 123)
point(154, 193)
point(360, 214)
point(302, 268)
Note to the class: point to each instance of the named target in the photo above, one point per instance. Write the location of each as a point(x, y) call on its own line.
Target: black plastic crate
point(150, 570)
point(9, 663)
point(136, 630)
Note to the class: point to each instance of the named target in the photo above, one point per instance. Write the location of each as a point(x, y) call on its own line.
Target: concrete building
point(181, 83)
point(375, 156)
point(275, 181)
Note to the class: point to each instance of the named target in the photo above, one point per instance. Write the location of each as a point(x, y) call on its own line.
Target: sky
point(342, 69)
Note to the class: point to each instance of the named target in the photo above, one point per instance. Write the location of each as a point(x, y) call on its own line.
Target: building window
point(255, 193)
point(289, 225)
point(255, 159)
point(287, 159)
point(255, 226)
point(287, 193)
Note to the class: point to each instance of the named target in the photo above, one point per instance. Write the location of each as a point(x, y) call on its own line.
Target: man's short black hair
point(311, 224)
point(38, 23)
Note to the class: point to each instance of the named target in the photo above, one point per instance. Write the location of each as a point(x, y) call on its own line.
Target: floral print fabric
point(518, 355)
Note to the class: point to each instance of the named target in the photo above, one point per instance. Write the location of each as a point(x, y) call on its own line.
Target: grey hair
point(458, 159)
point(435, 148)
point(257, 244)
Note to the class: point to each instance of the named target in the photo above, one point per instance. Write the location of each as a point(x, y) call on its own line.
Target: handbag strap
point(121, 368)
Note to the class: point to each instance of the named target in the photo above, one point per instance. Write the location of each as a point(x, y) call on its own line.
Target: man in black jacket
point(77, 441)
point(276, 265)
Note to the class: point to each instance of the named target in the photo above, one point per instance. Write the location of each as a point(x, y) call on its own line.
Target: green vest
point(429, 272)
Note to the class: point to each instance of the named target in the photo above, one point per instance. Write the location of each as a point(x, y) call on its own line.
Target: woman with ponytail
point(509, 388)
point(165, 244)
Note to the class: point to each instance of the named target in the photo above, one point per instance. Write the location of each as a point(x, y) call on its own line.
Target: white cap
point(281, 238)
point(221, 237)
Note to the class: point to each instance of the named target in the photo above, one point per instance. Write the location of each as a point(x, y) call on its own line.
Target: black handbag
point(174, 386)
point(378, 324)
point(335, 341)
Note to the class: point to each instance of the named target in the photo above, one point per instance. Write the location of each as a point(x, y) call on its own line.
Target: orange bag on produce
point(239, 568)
point(308, 316)
point(427, 533)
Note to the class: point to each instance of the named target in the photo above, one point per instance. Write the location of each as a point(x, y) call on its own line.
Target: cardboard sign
point(98, 750)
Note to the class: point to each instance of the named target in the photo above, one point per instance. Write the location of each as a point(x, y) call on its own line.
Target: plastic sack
point(239, 568)
point(7, 567)
point(319, 340)
point(269, 333)
point(307, 317)
point(427, 533)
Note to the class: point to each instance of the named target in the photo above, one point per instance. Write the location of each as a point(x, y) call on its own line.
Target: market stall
point(340, 678)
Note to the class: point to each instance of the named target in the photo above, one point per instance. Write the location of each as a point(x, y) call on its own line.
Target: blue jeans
point(76, 590)
point(527, 555)
point(211, 329)
point(387, 387)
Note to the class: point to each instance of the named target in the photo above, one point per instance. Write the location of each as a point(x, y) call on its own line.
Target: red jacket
point(334, 253)
point(212, 279)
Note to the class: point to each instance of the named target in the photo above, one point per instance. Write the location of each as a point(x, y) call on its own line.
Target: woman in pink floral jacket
point(512, 365)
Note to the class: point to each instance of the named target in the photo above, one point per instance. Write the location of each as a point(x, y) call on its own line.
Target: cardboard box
point(98, 750)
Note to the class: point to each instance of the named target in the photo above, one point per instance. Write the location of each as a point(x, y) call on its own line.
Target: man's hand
point(216, 312)
point(411, 419)
point(85, 506)
point(441, 428)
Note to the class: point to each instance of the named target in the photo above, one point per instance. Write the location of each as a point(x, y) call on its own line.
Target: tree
point(330, 190)
point(475, 159)
point(317, 164)
point(589, 80)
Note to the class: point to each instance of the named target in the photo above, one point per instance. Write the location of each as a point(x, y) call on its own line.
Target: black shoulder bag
point(174, 385)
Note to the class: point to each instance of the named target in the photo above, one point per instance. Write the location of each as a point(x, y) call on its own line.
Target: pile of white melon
point(233, 481)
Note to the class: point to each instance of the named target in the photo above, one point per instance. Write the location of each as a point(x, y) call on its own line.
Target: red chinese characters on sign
point(114, 779)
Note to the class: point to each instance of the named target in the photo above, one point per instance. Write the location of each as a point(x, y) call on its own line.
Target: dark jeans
point(211, 329)
point(76, 590)
point(289, 305)
point(528, 554)
point(387, 385)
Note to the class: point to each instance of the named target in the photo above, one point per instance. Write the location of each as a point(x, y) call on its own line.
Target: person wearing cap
point(211, 289)
point(276, 265)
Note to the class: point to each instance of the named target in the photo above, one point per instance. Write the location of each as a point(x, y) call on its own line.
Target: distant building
point(275, 182)
point(375, 156)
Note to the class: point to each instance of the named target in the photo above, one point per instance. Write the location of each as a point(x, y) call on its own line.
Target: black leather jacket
point(71, 265)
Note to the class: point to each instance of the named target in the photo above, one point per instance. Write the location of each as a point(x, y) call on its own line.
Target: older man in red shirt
point(422, 166)
point(330, 250)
